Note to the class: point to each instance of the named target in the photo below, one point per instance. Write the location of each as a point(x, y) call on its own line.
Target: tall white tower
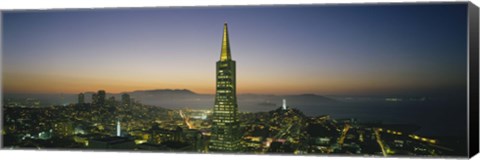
point(284, 105)
point(118, 129)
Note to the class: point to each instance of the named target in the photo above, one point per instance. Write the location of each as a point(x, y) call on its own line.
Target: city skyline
point(404, 62)
point(285, 50)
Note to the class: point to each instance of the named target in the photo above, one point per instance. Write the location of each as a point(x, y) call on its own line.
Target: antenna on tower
point(284, 105)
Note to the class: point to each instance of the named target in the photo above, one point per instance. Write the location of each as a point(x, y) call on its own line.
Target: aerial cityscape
point(256, 104)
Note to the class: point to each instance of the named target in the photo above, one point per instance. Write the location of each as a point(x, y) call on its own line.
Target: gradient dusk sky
point(328, 50)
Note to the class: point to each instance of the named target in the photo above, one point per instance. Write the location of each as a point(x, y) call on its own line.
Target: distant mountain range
point(164, 91)
point(184, 98)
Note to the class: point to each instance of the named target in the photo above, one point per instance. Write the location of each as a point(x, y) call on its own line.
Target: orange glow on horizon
point(51, 83)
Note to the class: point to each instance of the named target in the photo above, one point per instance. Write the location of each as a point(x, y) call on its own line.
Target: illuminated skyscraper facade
point(225, 126)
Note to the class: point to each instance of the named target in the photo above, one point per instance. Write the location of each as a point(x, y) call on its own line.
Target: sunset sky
point(329, 50)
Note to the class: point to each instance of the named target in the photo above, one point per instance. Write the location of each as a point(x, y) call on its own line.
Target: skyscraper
point(81, 98)
point(125, 100)
point(101, 97)
point(94, 99)
point(225, 126)
point(111, 105)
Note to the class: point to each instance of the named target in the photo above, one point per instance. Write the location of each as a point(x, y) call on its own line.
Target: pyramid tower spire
point(225, 131)
point(225, 45)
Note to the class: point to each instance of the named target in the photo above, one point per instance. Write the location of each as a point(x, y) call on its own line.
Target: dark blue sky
point(330, 49)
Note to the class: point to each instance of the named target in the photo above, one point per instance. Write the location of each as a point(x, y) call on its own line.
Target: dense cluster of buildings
point(148, 128)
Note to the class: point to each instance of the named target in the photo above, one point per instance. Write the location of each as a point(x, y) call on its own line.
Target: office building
point(225, 135)
point(81, 98)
